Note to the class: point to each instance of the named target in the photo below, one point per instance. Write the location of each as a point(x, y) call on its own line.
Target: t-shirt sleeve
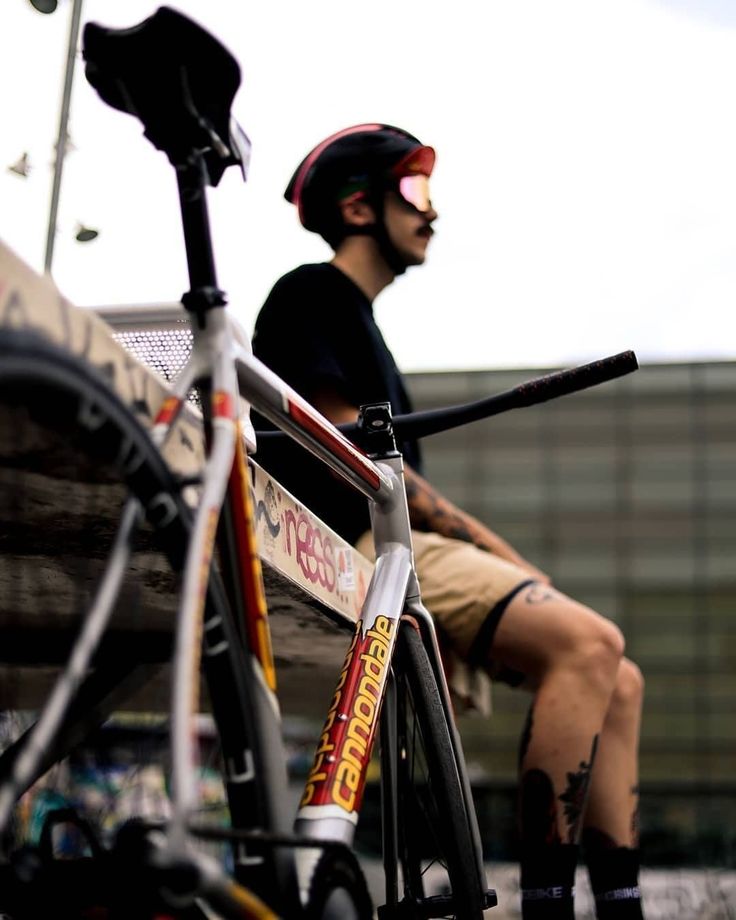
point(294, 335)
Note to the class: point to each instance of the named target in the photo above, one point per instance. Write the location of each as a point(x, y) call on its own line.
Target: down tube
point(334, 790)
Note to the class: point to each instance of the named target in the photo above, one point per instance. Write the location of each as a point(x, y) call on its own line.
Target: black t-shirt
point(316, 330)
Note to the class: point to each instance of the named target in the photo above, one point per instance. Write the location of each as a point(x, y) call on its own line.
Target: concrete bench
point(315, 581)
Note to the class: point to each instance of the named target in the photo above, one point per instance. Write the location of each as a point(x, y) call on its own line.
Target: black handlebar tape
point(560, 383)
point(539, 390)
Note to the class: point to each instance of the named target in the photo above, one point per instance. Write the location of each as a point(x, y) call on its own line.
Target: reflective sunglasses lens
point(415, 190)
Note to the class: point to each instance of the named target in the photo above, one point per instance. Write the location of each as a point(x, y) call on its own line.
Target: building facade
point(626, 495)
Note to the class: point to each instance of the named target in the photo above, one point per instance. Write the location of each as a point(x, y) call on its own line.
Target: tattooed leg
point(611, 831)
point(548, 862)
point(614, 793)
point(573, 683)
point(575, 796)
point(543, 809)
point(538, 594)
point(570, 657)
point(549, 859)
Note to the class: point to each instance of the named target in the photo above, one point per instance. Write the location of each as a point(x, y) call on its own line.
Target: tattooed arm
point(428, 509)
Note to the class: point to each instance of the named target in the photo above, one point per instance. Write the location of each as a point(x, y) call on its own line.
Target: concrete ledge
point(314, 580)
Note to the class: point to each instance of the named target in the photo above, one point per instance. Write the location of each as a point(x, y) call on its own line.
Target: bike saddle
point(178, 80)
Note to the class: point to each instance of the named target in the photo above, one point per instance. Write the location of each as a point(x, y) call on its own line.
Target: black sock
point(548, 881)
point(614, 878)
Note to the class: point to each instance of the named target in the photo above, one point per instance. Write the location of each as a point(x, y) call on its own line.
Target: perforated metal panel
point(163, 350)
point(158, 336)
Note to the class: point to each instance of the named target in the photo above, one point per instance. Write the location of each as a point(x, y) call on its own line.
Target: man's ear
point(356, 212)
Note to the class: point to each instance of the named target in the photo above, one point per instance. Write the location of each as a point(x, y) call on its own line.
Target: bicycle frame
point(332, 796)
point(334, 788)
point(223, 525)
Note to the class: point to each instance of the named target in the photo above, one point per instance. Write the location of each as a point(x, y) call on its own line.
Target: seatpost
point(204, 294)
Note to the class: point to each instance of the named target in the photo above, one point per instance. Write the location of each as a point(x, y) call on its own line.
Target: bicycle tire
point(43, 390)
point(338, 889)
point(436, 848)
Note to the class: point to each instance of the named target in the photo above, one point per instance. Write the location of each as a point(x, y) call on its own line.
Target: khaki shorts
point(464, 588)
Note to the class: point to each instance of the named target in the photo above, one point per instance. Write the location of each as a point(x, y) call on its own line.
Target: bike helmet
point(365, 159)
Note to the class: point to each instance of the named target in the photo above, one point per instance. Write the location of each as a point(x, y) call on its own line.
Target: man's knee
point(629, 690)
point(612, 639)
point(598, 652)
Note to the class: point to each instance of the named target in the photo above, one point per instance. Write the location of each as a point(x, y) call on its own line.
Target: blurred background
point(587, 201)
point(626, 495)
point(584, 177)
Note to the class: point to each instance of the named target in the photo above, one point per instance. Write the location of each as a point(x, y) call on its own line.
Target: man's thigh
point(542, 628)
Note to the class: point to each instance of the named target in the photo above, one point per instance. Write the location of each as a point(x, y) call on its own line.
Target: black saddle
point(178, 80)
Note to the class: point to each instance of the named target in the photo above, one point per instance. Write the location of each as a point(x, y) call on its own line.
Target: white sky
point(586, 175)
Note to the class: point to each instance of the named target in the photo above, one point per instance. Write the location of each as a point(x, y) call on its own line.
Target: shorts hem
point(478, 653)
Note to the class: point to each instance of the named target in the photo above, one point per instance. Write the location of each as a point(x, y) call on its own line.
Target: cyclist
point(365, 190)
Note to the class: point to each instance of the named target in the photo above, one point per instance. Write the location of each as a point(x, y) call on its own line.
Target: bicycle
point(180, 82)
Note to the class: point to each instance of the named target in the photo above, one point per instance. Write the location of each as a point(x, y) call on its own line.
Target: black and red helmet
point(366, 158)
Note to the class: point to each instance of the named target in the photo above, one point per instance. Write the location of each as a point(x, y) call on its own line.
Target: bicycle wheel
point(338, 889)
point(436, 849)
point(70, 455)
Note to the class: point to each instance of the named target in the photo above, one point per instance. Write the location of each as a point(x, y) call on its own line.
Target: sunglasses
point(414, 190)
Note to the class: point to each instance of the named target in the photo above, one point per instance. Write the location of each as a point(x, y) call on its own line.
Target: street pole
point(62, 138)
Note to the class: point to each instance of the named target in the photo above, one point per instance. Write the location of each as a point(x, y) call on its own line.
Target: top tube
point(283, 406)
